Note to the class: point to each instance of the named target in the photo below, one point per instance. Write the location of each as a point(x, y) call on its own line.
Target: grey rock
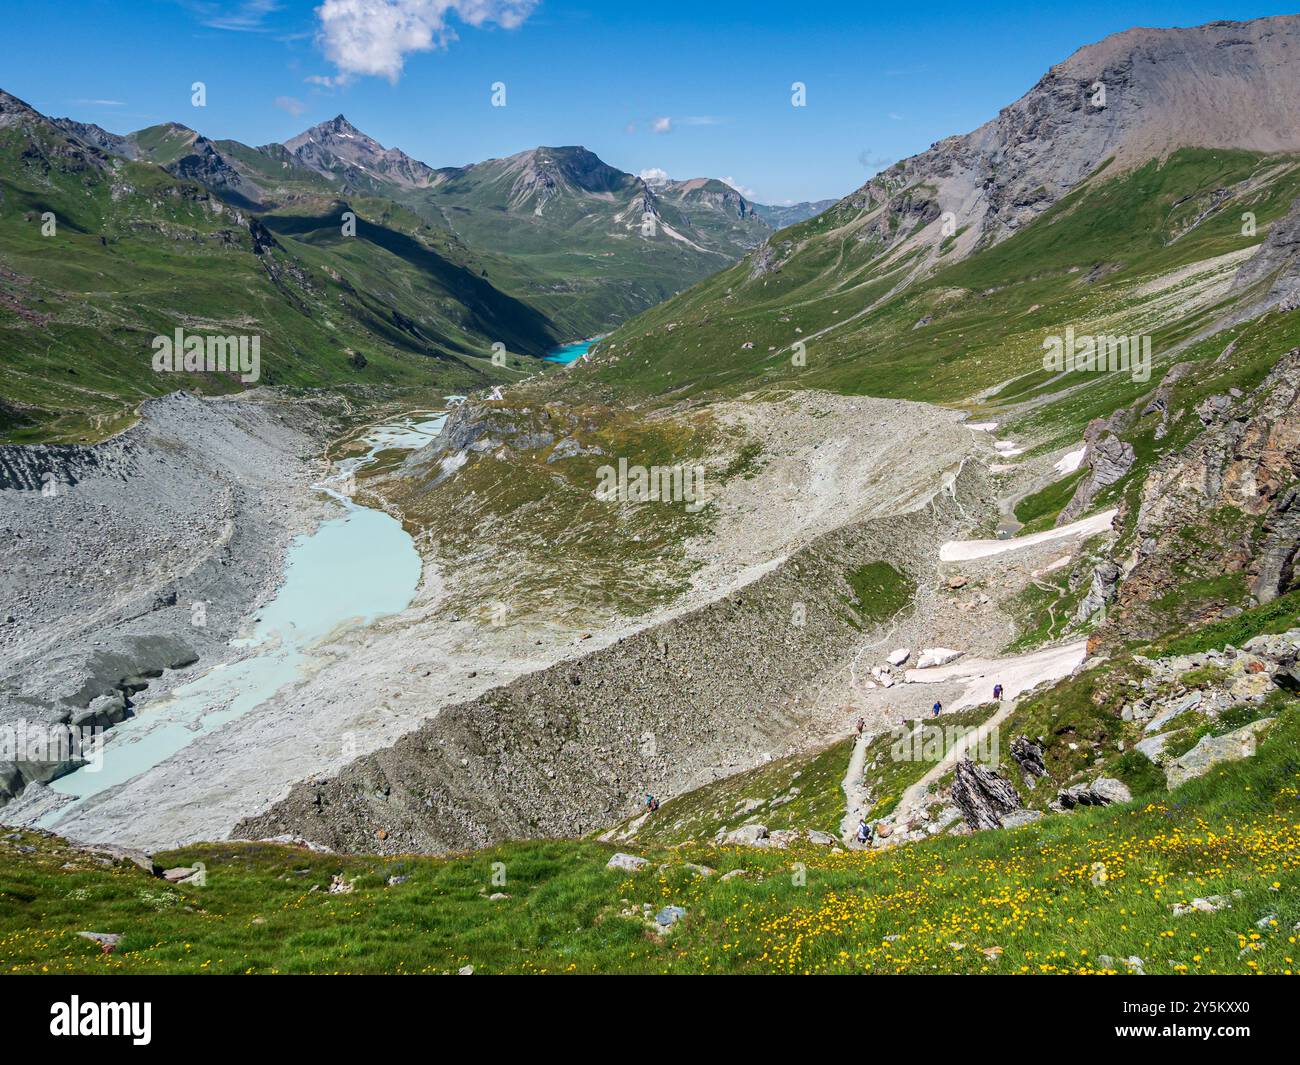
point(1152, 746)
point(747, 836)
point(983, 797)
point(1188, 702)
point(669, 916)
point(1212, 750)
point(627, 863)
point(1101, 792)
point(1029, 756)
point(107, 941)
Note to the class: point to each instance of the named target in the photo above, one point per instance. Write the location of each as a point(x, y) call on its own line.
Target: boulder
point(1152, 746)
point(1105, 579)
point(897, 658)
point(1029, 756)
point(1212, 750)
point(1110, 459)
point(669, 916)
point(1251, 687)
point(747, 836)
point(937, 656)
point(1187, 702)
point(1101, 792)
point(983, 797)
point(824, 839)
point(107, 941)
point(628, 863)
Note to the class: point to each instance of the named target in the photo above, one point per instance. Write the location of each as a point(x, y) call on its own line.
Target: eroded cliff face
point(1226, 503)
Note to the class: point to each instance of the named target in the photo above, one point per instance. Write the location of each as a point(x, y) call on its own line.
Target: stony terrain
point(372, 687)
point(107, 549)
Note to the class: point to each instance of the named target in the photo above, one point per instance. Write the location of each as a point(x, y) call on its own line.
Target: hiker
point(937, 708)
point(997, 693)
point(864, 832)
point(650, 804)
point(861, 725)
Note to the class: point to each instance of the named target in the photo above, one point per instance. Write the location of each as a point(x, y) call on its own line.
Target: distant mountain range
point(164, 226)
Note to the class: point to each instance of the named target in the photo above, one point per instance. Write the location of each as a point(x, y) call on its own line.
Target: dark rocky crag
point(1247, 461)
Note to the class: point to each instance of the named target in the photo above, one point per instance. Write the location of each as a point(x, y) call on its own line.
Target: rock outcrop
point(1101, 792)
point(1246, 461)
point(983, 797)
point(1212, 750)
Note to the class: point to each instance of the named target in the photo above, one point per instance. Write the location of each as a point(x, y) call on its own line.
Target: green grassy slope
point(968, 327)
point(1053, 897)
point(574, 245)
point(138, 253)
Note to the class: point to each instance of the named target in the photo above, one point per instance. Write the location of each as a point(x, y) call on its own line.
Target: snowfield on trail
point(1016, 674)
point(966, 550)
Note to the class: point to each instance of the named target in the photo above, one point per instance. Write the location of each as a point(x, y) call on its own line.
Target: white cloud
point(373, 37)
point(744, 190)
point(291, 104)
point(244, 17)
point(654, 176)
point(662, 125)
point(100, 103)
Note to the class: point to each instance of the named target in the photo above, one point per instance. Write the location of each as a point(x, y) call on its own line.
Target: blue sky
point(883, 80)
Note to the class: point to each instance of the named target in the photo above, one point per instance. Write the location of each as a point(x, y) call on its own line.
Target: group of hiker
point(866, 833)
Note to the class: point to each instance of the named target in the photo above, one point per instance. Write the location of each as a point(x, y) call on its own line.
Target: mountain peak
point(337, 149)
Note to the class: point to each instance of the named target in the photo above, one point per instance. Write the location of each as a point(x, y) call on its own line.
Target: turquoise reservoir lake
point(567, 353)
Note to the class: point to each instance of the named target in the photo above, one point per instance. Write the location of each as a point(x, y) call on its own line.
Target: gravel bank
point(132, 562)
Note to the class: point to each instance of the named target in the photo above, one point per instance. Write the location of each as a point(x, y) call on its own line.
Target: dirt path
point(1016, 674)
point(855, 795)
point(913, 797)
